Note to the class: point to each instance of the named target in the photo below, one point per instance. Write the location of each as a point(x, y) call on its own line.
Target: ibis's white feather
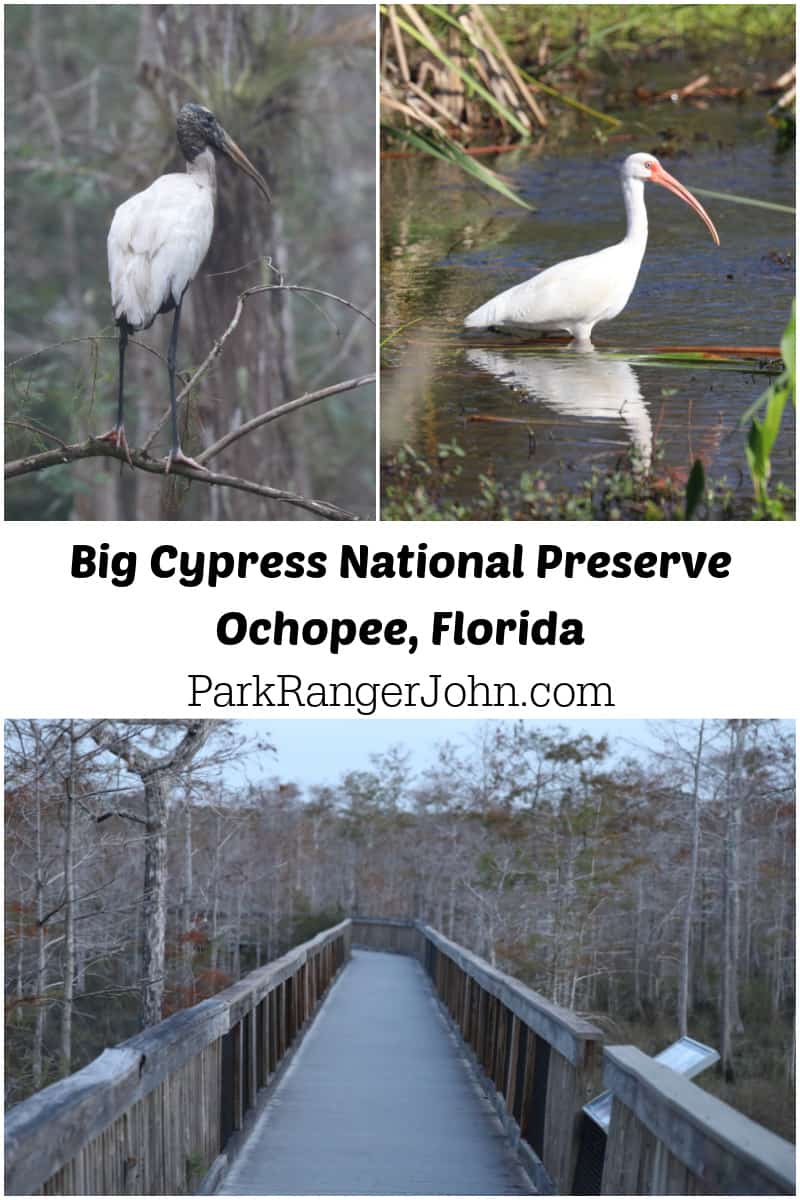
point(571, 295)
point(157, 241)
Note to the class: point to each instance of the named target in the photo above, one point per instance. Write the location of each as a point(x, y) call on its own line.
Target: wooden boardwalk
point(379, 1100)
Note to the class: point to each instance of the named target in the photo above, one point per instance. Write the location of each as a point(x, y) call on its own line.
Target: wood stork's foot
point(177, 456)
point(116, 437)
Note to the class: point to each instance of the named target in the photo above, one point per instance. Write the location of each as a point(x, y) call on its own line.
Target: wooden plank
point(566, 1095)
point(530, 1067)
point(513, 1059)
point(623, 1153)
point(249, 1031)
point(727, 1152)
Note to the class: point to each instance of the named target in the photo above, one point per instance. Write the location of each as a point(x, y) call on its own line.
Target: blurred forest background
point(652, 889)
point(91, 97)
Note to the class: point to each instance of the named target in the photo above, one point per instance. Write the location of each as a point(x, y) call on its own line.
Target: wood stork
point(157, 241)
point(576, 294)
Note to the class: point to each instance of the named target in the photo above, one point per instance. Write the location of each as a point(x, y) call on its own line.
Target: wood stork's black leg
point(176, 454)
point(117, 435)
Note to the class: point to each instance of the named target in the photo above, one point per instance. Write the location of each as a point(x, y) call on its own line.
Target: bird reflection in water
point(588, 388)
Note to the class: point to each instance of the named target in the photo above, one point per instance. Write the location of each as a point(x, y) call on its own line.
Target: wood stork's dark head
point(199, 130)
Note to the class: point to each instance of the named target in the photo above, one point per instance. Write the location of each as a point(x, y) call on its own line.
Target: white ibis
point(157, 241)
point(576, 294)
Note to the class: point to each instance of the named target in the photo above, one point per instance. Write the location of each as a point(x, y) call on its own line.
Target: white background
point(669, 648)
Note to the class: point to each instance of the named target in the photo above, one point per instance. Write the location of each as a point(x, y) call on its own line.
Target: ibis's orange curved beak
point(659, 175)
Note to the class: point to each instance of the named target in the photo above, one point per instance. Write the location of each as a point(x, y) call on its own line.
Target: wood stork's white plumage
point(157, 241)
point(576, 294)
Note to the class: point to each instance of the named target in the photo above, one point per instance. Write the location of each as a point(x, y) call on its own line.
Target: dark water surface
point(449, 245)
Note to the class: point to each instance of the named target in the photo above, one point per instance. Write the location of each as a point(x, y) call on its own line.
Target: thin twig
point(31, 428)
point(327, 318)
point(235, 270)
point(331, 365)
point(93, 337)
point(297, 287)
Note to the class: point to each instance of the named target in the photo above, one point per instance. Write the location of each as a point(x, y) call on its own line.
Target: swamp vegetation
point(551, 98)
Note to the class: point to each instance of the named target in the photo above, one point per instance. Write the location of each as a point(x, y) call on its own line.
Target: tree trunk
point(41, 951)
point(684, 962)
point(157, 774)
point(69, 912)
point(637, 942)
point(730, 1021)
point(737, 798)
point(154, 905)
point(185, 907)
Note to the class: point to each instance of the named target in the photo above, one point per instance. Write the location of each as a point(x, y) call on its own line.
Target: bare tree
point(157, 774)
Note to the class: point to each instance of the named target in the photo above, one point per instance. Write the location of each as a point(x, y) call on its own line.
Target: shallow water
point(448, 245)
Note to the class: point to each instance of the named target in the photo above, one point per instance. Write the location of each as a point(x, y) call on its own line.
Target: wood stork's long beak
point(237, 155)
point(659, 175)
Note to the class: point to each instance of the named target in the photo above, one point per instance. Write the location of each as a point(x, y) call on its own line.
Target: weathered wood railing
point(151, 1115)
point(669, 1137)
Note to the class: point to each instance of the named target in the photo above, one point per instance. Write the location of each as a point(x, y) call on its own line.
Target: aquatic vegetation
point(420, 489)
point(764, 429)
point(453, 75)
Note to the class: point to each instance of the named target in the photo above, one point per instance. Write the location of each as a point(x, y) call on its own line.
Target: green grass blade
point(443, 15)
point(695, 488)
point(451, 152)
point(396, 332)
point(743, 200)
point(788, 352)
point(785, 380)
point(584, 108)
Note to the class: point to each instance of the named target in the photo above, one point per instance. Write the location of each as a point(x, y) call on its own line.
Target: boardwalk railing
point(150, 1116)
point(669, 1137)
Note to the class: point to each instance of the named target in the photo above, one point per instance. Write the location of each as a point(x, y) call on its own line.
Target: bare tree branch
point(347, 385)
point(30, 427)
point(93, 448)
point(97, 449)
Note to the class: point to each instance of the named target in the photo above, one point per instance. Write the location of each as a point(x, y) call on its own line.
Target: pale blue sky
point(310, 751)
